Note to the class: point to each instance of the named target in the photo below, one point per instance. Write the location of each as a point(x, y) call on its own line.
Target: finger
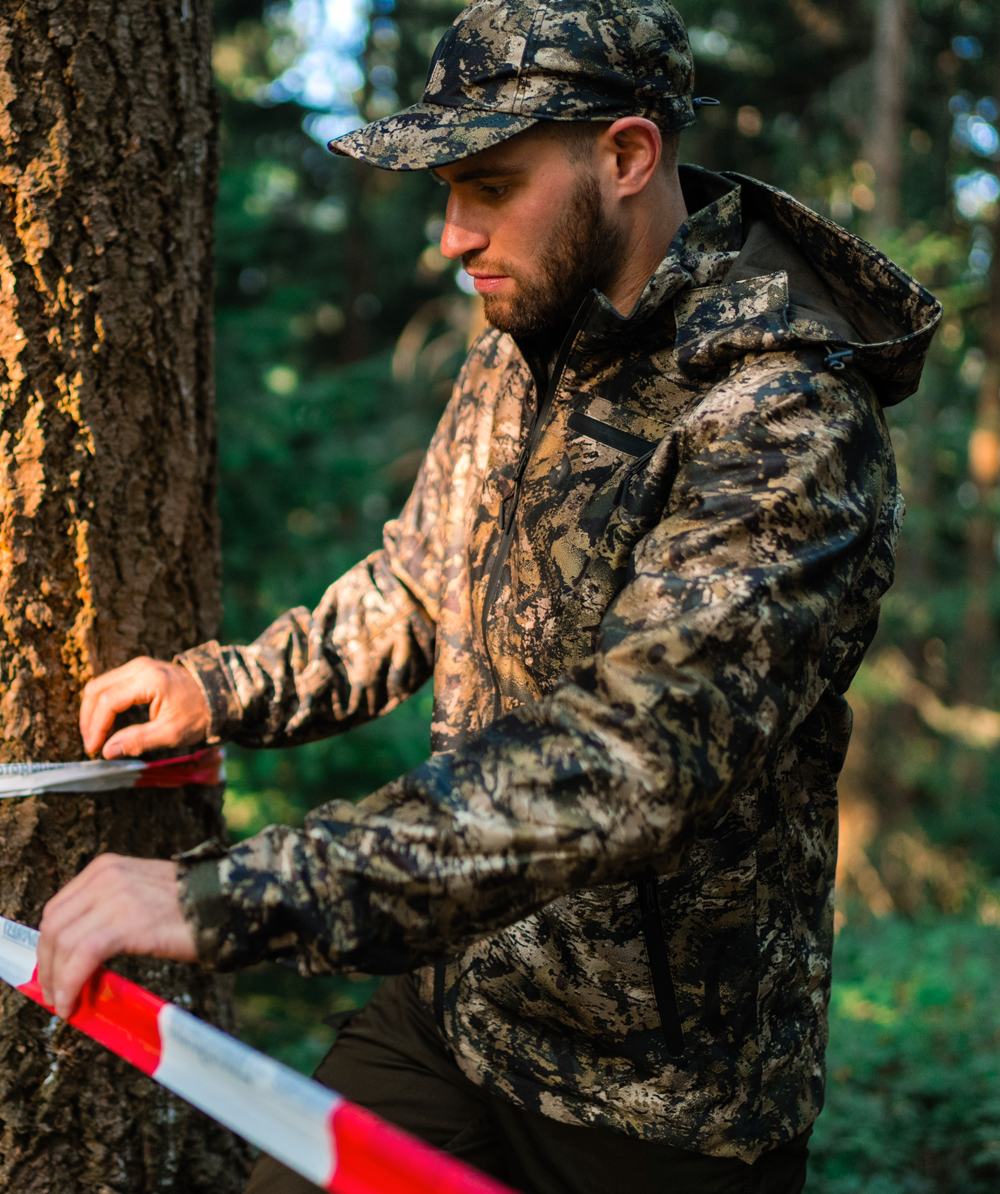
point(91, 728)
point(108, 695)
point(53, 947)
point(91, 917)
point(130, 906)
point(106, 708)
point(133, 740)
point(78, 954)
point(44, 967)
point(66, 909)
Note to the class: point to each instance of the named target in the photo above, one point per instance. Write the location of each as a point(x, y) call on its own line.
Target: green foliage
point(913, 1094)
point(285, 1015)
point(282, 785)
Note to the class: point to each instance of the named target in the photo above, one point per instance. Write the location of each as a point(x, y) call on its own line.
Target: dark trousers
point(391, 1059)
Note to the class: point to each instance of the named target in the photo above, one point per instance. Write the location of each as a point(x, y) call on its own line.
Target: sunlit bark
point(108, 532)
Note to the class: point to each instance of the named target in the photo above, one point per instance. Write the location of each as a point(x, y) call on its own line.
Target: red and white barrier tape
point(104, 775)
point(339, 1146)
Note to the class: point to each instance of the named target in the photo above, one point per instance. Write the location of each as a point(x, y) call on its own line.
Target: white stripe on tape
point(26, 779)
point(18, 949)
point(205, 766)
point(261, 1099)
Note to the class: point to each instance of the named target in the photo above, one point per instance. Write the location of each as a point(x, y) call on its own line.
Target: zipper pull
point(522, 461)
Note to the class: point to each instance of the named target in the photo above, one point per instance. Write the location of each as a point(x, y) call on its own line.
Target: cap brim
point(428, 135)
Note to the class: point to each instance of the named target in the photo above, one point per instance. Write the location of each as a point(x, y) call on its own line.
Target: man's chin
point(500, 314)
point(511, 314)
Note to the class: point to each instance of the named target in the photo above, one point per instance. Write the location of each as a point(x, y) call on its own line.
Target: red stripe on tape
point(200, 768)
point(373, 1157)
point(119, 1014)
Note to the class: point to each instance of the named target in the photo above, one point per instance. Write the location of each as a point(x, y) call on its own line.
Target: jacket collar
point(703, 249)
point(701, 253)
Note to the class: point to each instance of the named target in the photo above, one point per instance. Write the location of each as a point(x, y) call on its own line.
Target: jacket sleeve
point(780, 518)
point(368, 645)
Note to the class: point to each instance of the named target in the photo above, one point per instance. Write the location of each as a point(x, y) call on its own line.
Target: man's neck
point(652, 221)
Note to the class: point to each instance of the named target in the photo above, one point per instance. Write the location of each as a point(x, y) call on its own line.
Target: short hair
point(578, 136)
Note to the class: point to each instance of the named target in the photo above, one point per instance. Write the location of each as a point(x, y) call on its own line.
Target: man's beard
point(582, 252)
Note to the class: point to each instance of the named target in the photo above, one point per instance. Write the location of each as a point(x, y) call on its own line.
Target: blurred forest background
point(340, 327)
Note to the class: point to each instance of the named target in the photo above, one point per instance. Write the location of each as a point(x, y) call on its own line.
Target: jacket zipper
point(650, 918)
point(508, 509)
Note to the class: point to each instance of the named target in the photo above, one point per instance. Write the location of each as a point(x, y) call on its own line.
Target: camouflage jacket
point(642, 581)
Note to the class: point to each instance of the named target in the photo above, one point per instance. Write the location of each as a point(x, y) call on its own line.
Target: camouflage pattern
point(646, 668)
point(504, 65)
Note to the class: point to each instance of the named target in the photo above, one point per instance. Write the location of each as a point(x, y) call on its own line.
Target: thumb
point(134, 740)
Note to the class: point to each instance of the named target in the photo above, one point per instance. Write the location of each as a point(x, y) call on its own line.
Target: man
point(642, 561)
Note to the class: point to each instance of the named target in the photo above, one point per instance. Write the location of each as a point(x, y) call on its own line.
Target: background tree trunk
point(108, 531)
point(978, 627)
point(884, 148)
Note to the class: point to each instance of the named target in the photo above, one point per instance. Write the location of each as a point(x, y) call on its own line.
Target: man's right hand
point(178, 712)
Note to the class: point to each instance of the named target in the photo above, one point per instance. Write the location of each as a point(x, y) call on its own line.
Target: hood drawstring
point(838, 361)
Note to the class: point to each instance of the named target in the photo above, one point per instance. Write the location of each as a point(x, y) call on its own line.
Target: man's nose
point(458, 237)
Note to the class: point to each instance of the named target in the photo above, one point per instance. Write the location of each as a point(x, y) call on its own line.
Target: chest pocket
point(620, 441)
point(611, 437)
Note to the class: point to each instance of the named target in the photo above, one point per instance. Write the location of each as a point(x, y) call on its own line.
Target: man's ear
point(636, 146)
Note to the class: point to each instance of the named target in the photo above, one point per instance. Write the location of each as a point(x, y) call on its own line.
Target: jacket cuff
point(207, 665)
point(205, 906)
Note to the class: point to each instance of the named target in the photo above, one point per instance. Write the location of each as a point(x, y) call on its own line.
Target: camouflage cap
point(505, 65)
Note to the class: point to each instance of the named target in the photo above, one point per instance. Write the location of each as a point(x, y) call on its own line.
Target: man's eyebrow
point(503, 169)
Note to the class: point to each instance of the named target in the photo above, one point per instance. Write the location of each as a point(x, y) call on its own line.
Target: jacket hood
point(841, 290)
point(753, 269)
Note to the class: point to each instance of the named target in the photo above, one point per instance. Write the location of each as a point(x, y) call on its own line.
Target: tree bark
point(884, 150)
point(109, 542)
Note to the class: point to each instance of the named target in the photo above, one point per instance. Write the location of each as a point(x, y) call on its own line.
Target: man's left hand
point(114, 906)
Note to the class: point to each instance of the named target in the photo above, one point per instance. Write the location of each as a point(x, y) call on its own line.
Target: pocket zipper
point(611, 437)
point(651, 920)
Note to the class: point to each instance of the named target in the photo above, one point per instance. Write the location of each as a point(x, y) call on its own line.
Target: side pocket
point(659, 963)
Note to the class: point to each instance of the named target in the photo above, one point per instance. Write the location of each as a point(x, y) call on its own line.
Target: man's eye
point(494, 192)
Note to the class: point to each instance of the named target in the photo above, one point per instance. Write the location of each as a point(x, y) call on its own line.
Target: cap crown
point(581, 60)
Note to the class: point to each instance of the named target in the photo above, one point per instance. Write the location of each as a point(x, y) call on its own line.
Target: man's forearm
point(367, 646)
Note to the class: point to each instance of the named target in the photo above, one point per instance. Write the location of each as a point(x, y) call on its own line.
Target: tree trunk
point(108, 532)
point(978, 630)
point(884, 150)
